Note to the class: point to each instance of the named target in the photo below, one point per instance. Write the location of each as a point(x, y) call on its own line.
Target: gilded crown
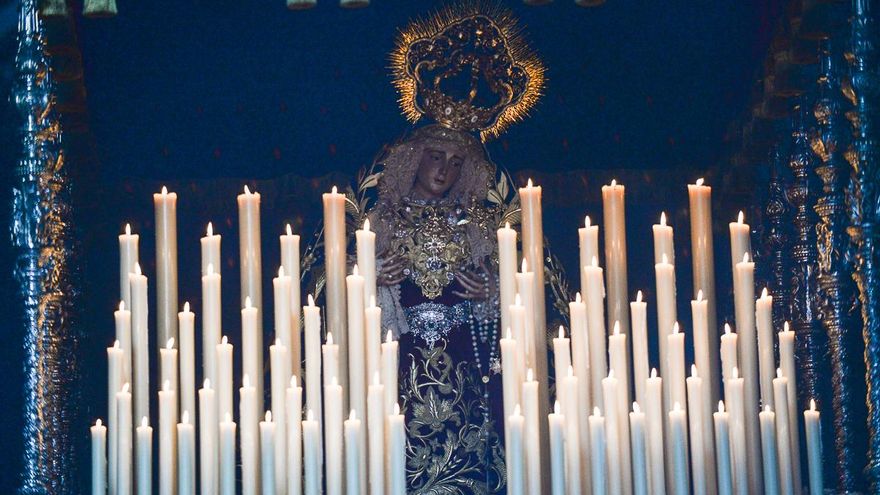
point(467, 68)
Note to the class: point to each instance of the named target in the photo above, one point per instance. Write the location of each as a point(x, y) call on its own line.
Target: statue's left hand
point(476, 284)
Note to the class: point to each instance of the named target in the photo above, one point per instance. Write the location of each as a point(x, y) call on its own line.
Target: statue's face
point(438, 171)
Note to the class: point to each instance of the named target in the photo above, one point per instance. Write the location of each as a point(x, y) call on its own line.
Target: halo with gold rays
point(517, 47)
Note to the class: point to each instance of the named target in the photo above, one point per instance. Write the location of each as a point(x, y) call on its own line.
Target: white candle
point(165, 204)
point(738, 445)
point(613, 449)
point(186, 455)
point(580, 358)
point(291, 263)
point(210, 244)
point(722, 444)
point(639, 313)
point(766, 358)
point(123, 477)
point(186, 359)
point(279, 361)
point(515, 464)
point(783, 434)
point(744, 302)
point(814, 448)
point(250, 256)
point(740, 241)
point(208, 433)
point(357, 366)
point(122, 322)
point(389, 371)
point(224, 377)
point(663, 241)
point(144, 459)
point(267, 455)
point(168, 367)
point(333, 436)
point(506, 272)
point(617, 353)
point(330, 354)
point(615, 254)
point(666, 318)
point(140, 343)
point(250, 446)
point(312, 320)
point(251, 353)
point(557, 450)
point(705, 345)
point(128, 256)
point(294, 437)
point(334, 256)
point(699, 426)
point(675, 378)
point(115, 359)
point(588, 246)
point(703, 256)
point(561, 354)
point(568, 391)
point(596, 328)
point(768, 445)
point(366, 258)
point(526, 292)
point(373, 337)
point(167, 440)
point(655, 416)
point(211, 322)
point(728, 354)
point(227, 456)
point(518, 332)
point(396, 452)
point(678, 438)
point(598, 471)
point(352, 427)
point(281, 298)
point(510, 373)
point(99, 458)
point(533, 253)
point(531, 413)
point(786, 363)
point(376, 421)
point(639, 465)
point(312, 454)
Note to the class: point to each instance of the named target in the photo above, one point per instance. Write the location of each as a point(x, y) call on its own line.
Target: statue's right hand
point(390, 268)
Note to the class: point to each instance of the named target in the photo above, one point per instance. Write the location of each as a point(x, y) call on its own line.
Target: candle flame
point(98, 422)
point(740, 218)
point(721, 406)
point(396, 409)
point(166, 386)
point(594, 262)
point(779, 373)
point(145, 422)
point(184, 418)
point(366, 225)
point(524, 266)
point(561, 332)
point(121, 305)
point(653, 372)
point(128, 229)
point(663, 218)
point(727, 328)
point(268, 416)
point(745, 257)
point(529, 182)
point(700, 295)
point(577, 297)
point(587, 221)
point(209, 269)
point(694, 371)
point(785, 327)
point(530, 375)
point(676, 407)
point(388, 337)
point(637, 408)
point(247, 301)
point(377, 380)
point(596, 412)
point(613, 182)
point(164, 190)
point(517, 410)
point(170, 344)
point(611, 373)
point(310, 416)
point(125, 388)
point(664, 259)
point(372, 301)
point(764, 293)
point(137, 268)
point(210, 229)
point(116, 344)
point(333, 190)
point(570, 370)
point(507, 225)
point(812, 404)
point(735, 373)
point(767, 408)
point(224, 340)
point(277, 341)
point(675, 329)
point(616, 327)
point(227, 418)
point(700, 181)
point(351, 415)
point(517, 301)
point(207, 384)
point(294, 381)
point(639, 296)
point(329, 338)
point(557, 408)
point(246, 189)
point(280, 271)
point(288, 230)
point(509, 334)
point(311, 300)
point(186, 307)
point(354, 271)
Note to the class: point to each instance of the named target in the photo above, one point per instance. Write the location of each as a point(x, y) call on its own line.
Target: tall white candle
point(568, 389)
point(250, 257)
point(655, 420)
point(352, 429)
point(99, 458)
point(389, 371)
point(676, 392)
point(740, 241)
point(210, 244)
point(666, 318)
point(330, 354)
point(208, 436)
point(615, 254)
point(291, 263)
point(114, 383)
point(279, 362)
point(596, 328)
point(122, 321)
point(705, 345)
point(396, 452)
point(728, 354)
point(376, 438)
point(617, 353)
point(334, 255)
point(250, 440)
point(211, 322)
point(312, 321)
point(561, 354)
point(140, 343)
point(613, 449)
point(703, 256)
point(531, 413)
point(251, 353)
point(699, 427)
point(373, 337)
point(165, 204)
point(580, 359)
point(639, 450)
point(186, 455)
point(333, 436)
point(786, 363)
point(144, 459)
point(224, 377)
point(663, 241)
point(168, 368)
point(506, 272)
point(639, 314)
point(767, 419)
point(557, 450)
point(227, 456)
point(598, 467)
point(515, 464)
point(128, 256)
point(518, 332)
point(738, 445)
point(766, 358)
point(526, 292)
point(588, 246)
point(783, 435)
point(186, 359)
point(814, 448)
point(722, 447)
point(123, 411)
point(167, 440)
point(678, 439)
point(357, 366)
point(267, 455)
point(281, 299)
point(294, 437)
point(311, 454)
point(744, 302)
point(365, 241)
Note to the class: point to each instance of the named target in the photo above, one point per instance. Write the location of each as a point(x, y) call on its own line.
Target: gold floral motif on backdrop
point(452, 445)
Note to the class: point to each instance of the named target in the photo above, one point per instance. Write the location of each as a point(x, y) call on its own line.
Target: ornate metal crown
point(467, 68)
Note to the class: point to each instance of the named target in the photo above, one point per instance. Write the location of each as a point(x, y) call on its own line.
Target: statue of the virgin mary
point(438, 206)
